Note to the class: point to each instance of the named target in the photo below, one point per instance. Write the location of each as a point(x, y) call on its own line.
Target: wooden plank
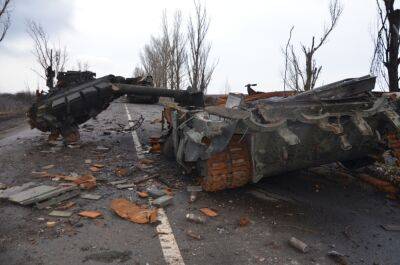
point(48, 195)
point(31, 193)
point(58, 199)
point(5, 194)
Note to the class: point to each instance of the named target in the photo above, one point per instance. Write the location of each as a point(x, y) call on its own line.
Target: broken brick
point(90, 214)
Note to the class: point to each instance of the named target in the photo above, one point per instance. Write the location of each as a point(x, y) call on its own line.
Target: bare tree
point(227, 88)
point(138, 71)
point(155, 61)
point(178, 54)
point(49, 56)
point(82, 65)
point(385, 62)
point(165, 56)
point(305, 78)
point(286, 54)
point(198, 68)
point(5, 18)
point(155, 57)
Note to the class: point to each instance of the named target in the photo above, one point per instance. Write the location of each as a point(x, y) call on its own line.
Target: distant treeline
point(16, 103)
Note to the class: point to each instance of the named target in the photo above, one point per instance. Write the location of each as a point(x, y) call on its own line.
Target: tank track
point(228, 169)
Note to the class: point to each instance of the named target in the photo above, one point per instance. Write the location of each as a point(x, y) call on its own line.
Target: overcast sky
point(247, 37)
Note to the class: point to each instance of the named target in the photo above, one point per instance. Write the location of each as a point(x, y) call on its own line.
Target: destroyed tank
point(242, 139)
point(79, 96)
point(239, 139)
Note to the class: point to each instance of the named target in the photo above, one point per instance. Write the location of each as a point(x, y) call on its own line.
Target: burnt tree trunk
point(392, 63)
point(309, 71)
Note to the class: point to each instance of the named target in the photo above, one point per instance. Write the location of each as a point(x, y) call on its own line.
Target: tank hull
point(343, 121)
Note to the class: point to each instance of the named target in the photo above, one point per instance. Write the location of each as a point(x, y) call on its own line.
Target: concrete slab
point(51, 194)
point(31, 193)
point(5, 194)
point(58, 199)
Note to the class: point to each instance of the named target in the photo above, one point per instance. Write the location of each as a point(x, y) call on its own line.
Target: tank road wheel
point(228, 169)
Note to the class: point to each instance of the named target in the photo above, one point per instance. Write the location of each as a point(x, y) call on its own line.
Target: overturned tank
point(79, 96)
point(241, 139)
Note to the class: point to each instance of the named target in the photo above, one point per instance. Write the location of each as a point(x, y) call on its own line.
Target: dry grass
point(17, 103)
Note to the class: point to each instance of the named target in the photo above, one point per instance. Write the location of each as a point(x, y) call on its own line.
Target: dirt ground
point(327, 215)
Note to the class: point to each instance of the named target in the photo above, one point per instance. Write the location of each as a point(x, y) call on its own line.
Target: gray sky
point(247, 37)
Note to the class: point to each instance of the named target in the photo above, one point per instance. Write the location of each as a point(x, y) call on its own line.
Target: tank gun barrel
point(184, 97)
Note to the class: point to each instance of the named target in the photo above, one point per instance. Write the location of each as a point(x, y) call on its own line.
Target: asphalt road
point(324, 214)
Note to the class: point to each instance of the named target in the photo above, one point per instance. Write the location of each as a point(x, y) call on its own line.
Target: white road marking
point(136, 142)
point(170, 249)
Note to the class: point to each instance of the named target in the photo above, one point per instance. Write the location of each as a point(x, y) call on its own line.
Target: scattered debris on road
point(337, 257)
point(162, 201)
point(155, 192)
point(66, 206)
point(57, 213)
point(193, 235)
point(196, 218)
point(89, 196)
point(5, 194)
point(60, 198)
point(193, 192)
point(143, 194)
point(208, 212)
point(298, 244)
point(48, 167)
point(86, 182)
point(391, 227)
point(125, 186)
point(90, 214)
point(121, 172)
point(135, 213)
point(244, 221)
point(51, 224)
